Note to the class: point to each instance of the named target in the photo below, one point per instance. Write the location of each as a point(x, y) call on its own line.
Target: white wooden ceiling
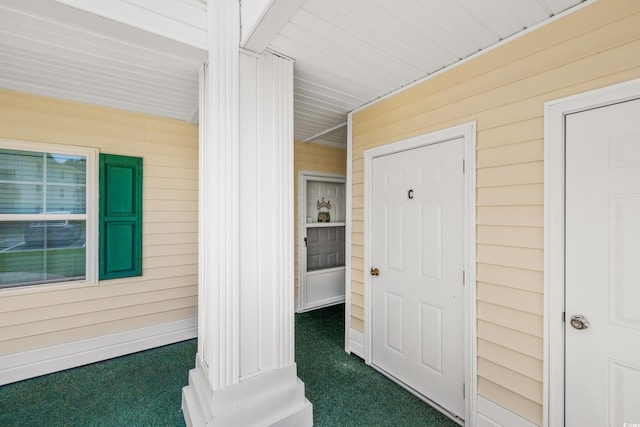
point(350, 52)
point(347, 53)
point(55, 50)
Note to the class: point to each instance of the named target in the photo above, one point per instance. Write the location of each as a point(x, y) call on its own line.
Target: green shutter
point(120, 216)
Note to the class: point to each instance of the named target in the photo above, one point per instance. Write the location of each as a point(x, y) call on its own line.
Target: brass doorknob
point(375, 271)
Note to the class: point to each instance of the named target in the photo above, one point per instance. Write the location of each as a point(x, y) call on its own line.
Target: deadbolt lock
point(375, 271)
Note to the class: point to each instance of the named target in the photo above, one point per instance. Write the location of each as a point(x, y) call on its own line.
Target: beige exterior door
point(602, 264)
point(417, 249)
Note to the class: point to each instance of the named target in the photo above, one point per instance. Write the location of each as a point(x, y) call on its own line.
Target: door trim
point(468, 132)
point(303, 177)
point(554, 215)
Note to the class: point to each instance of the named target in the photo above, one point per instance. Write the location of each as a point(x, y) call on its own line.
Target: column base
point(275, 398)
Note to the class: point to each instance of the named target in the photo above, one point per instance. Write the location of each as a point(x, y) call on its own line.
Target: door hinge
point(463, 166)
point(464, 393)
point(563, 317)
point(464, 280)
point(305, 242)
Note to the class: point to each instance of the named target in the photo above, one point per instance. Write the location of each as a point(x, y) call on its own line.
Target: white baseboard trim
point(322, 304)
point(492, 415)
point(356, 343)
point(46, 360)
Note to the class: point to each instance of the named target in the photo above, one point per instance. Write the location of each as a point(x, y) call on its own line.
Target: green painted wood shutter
point(120, 216)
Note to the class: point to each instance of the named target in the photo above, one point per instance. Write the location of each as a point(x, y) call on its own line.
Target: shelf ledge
point(325, 224)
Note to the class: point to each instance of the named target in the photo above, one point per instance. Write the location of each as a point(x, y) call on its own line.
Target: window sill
point(45, 287)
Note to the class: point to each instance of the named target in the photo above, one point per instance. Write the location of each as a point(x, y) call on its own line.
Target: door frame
point(303, 177)
point(468, 132)
point(554, 235)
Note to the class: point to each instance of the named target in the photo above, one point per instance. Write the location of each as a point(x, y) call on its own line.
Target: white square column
point(245, 372)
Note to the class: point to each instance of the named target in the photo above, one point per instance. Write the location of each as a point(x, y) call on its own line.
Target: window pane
point(27, 189)
point(21, 177)
point(325, 248)
point(62, 168)
point(21, 166)
point(41, 252)
point(20, 198)
point(66, 199)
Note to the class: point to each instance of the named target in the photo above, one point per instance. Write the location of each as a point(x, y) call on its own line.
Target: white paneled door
point(322, 248)
point(417, 263)
point(602, 360)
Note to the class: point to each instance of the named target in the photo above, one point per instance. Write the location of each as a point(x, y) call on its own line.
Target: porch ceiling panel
point(58, 51)
point(349, 53)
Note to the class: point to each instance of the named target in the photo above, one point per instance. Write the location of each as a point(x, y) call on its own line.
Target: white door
point(322, 250)
point(602, 362)
point(417, 247)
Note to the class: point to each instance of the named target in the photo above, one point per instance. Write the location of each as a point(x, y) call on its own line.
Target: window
point(48, 214)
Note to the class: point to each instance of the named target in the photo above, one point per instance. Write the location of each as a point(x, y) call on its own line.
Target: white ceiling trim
point(180, 20)
point(318, 135)
point(256, 36)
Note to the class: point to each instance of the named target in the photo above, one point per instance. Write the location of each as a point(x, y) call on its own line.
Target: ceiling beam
point(262, 20)
point(177, 20)
point(324, 132)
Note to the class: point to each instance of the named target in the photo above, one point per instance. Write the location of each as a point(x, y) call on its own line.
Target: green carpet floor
point(343, 390)
point(145, 389)
point(141, 389)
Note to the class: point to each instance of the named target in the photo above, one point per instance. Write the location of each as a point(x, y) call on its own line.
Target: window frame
point(90, 217)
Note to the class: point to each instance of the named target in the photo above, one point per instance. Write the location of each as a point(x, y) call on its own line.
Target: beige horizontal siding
point(518, 362)
point(512, 401)
point(167, 290)
point(510, 338)
point(521, 237)
point(155, 314)
point(316, 158)
point(504, 90)
point(524, 258)
point(41, 319)
point(511, 154)
point(510, 215)
point(522, 320)
point(513, 195)
point(510, 277)
point(522, 173)
point(111, 289)
point(512, 380)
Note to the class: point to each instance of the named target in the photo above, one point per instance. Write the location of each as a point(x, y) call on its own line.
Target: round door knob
point(375, 272)
point(578, 321)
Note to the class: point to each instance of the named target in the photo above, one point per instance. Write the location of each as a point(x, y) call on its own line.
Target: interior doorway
point(322, 240)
